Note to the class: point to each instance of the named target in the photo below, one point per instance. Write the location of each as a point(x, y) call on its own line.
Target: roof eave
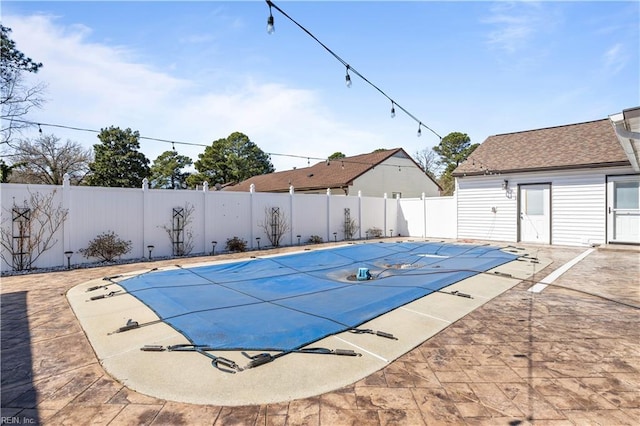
point(627, 128)
point(543, 169)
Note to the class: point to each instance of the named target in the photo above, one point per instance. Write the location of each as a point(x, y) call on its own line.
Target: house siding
point(477, 199)
point(578, 205)
point(397, 174)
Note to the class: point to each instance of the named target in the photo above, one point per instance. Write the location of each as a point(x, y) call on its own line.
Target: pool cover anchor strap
point(104, 296)
point(111, 280)
point(229, 366)
point(223, 364)
point(264, 358)
point(374, 332)
point(460, 294)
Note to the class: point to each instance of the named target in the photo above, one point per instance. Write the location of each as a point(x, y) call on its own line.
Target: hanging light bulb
point(419, 129)
point(39, 129)
point(347, 77)
point(393, 109)
point(173, 146)
point(270, 26)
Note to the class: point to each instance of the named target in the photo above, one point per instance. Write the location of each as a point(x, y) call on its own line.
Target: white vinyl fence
point(143, 216)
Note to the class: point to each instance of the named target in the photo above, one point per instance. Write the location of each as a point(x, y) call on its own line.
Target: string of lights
point(174, 142)
point(271, 30)
point(487, 170)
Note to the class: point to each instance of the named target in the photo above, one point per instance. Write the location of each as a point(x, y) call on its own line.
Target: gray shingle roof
point(580, 145)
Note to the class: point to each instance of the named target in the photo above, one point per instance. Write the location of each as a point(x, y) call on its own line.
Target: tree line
point(116, 161)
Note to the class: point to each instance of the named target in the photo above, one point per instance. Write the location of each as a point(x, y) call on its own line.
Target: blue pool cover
point(287, 302)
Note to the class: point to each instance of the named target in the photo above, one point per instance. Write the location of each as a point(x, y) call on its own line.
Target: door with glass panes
point(623, 209)
point(535, 213)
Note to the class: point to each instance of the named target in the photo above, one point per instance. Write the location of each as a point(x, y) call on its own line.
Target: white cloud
point(93, 85)
point(615, 58)
point(515, 24)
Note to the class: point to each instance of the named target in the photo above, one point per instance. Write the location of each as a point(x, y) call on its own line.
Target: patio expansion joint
point(424, 315)
point(362, 349)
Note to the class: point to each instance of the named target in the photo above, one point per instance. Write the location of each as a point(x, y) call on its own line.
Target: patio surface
point(569, 355)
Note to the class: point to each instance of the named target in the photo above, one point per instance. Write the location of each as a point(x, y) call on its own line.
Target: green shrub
point(236, 244)
point(315, 239)
point(374, 232)
point(106, 246)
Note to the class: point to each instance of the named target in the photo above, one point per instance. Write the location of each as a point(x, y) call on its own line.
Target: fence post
point(397, 215)
point(252, 190)
point(359, 215)
point(291, 197)
point(205, 193)
point(66, 226)
point(145, 210)
point(384, 231)
point(328, 214)
point(424, 215)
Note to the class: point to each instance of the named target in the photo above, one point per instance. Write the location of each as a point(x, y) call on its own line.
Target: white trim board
point(543, 283)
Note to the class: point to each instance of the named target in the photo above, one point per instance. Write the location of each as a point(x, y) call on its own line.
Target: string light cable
point(350, 68)
point(174, 143)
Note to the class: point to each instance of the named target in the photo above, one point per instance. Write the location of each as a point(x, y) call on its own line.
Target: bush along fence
point(47, 226)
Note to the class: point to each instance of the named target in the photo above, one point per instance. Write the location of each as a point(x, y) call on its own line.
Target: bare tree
point(275, 224)
point(16, 97)
point(45, 161)
point(28, 230)
point(17, 100)
point(427, 159)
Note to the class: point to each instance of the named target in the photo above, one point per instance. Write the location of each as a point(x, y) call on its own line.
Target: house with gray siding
point(387, 171)
point(567, 185)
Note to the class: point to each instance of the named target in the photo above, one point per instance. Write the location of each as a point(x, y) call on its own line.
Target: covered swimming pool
point(243, 314)
point(284, 303)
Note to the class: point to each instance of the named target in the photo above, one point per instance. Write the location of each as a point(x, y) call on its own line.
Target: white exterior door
point(535, 213)
point(623, 209)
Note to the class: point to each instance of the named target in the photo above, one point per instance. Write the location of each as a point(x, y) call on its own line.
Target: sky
point(198, 71)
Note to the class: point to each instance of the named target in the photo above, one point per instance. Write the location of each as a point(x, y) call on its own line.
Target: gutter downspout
point(626, 139)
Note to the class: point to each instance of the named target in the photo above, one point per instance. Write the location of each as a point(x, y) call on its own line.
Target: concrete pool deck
point(561, 356)
point(189, 376)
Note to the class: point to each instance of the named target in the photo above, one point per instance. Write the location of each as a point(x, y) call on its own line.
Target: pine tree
point(233, 159)
point(117, 161)
point(166, 170)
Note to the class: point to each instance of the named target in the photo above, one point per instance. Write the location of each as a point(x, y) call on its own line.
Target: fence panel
point(26, 199)
point(442, 217)
point(339, 203)
point(94, 211)
point(228, 216)
point(161, 227)
point(310, 216)
point(267, 221)
point(411, 217)
point(143, 216)
point(373, 215)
